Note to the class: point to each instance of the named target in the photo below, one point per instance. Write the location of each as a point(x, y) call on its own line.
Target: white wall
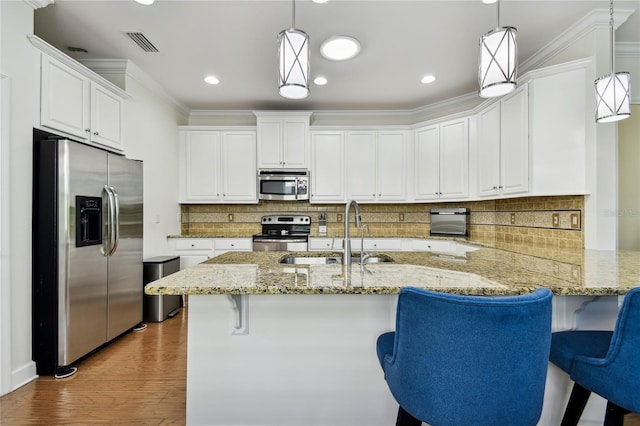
point(151, 135)
point(17, 64)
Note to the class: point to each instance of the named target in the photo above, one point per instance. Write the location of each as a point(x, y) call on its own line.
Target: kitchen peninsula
point(291, 344)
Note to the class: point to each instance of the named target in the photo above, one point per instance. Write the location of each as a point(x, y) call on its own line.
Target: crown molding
point(127, 67)
point(37, 4)
point(596, 19)
point(628, 50)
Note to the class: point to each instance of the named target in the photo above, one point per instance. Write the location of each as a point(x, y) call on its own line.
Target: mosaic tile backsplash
point(554, 223)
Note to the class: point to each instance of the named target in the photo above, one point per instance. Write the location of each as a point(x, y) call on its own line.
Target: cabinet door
point(361, 169)
point(327, 167)
point(489, 151)
point(201, 166)
point(514, 142)
point(295, 143)
point(106, 117)
point(270, 134)
point(64, 103)
point(454, 159)
point(392, 166)
point(427, 163)
point(238, 164)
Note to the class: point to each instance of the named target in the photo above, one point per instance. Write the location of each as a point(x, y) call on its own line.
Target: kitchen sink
point(329, 260)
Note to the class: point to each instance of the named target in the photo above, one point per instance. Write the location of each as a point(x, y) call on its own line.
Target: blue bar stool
point(468, 360)
point(604, 362)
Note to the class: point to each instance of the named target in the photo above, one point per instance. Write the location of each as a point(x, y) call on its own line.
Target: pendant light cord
point(611, 35)
point(293, 13)
point(498, 13)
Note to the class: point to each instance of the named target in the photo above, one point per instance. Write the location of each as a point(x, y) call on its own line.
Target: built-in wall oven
point(283, 233)
point(284, 185)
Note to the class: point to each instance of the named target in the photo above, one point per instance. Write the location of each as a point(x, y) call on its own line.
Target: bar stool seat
point(468, 360)
point(604, 362)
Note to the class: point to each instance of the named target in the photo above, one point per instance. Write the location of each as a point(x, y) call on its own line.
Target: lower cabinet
point(197, 250)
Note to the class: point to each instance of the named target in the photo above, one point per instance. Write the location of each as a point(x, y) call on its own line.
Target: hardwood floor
point(138, 379)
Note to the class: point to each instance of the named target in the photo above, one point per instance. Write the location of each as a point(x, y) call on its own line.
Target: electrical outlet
point(339, 217)
point(555, 220)
point(401, 217)
point(513, 218)
point(230, 217)
point(575, 220)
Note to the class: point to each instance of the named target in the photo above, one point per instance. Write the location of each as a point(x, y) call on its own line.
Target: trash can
point(158, 307)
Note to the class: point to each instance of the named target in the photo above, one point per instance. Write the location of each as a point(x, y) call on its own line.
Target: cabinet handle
point(500, 187)
point(96, 133)
point(495, 187)
point(87, 130)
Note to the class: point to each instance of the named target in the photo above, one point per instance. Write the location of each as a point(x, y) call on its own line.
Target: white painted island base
point(311, 360)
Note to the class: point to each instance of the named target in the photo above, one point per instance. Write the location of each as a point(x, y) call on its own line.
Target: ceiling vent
point(141, 40)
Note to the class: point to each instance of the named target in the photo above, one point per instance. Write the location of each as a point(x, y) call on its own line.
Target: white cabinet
point(77, 102)
point(217, 166)
point(283, 140)
point(377, 165)
point(503, 146)
point(328, 167)
point(559, 132)
point(197, 250)
point(442, 161)
point(192, 250)
point(224, 245)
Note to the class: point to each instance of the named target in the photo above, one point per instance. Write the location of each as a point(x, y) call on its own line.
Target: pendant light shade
point(613, 100)
point(293, 58)
point(613, 91)
point(498, 62)
point(293, 61)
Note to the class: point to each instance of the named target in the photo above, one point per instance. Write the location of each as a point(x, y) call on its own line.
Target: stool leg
point(614, 416)
point(575, 406)
point(406, 419)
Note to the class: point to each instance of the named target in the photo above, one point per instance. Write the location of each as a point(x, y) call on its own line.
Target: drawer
point(194, 244)
point(240, 244)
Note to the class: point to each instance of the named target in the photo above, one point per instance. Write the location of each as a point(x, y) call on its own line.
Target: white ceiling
point(236, 41)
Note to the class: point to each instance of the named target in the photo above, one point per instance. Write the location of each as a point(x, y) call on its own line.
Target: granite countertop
point(486, 271)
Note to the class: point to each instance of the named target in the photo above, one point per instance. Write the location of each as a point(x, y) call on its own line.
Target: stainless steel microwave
point(287, 185)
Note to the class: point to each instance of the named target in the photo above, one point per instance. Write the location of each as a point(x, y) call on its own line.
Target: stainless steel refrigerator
point(87, 251)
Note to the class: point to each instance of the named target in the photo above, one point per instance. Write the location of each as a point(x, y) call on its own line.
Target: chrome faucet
point(346, 244)
point(363, 256)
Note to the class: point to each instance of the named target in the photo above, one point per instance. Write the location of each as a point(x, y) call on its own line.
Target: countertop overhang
point(486, 271)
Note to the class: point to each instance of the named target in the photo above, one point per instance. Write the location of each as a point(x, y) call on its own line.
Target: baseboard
point(23, 375)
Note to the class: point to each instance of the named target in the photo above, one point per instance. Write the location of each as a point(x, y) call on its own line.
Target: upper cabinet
point(328, 180)
point(503, 145)
point(75, 101)
point(283, 140)
point(217, 166)
point(441, 161)
point(559, 138)
point(377, 165)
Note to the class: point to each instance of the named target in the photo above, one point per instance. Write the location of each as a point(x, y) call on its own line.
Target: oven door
point(279, 244)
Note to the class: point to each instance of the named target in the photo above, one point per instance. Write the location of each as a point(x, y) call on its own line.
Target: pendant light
point(498, 61)
point(293, 59)
point(613, 101)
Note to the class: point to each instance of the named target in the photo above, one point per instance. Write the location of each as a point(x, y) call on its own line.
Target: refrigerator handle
point(108, 241)
point(116, 221)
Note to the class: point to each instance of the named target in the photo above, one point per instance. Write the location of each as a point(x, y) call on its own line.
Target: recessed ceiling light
point(489, 1)
point(340, 48)
point(145, 2)
point(211, 79)
point(320, 1)
point(428, 79)
point(320, 81)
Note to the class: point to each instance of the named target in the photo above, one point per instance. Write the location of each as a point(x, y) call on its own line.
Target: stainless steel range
point(283, 233)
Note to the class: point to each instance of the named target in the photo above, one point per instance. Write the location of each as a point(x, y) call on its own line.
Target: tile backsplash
point(554, 223)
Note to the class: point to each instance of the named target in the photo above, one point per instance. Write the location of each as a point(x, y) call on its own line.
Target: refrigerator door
point(82, 269)
point(125, 291)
